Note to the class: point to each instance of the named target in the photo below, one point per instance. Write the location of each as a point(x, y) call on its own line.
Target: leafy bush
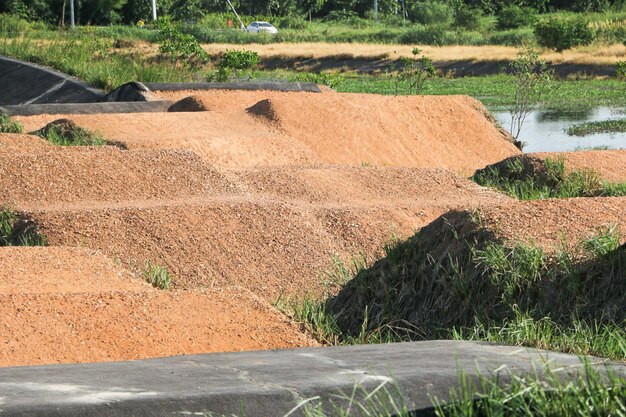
point(513, 17)
point(514, 37)
point(620, 69)
point(178, 45)
point(427, 35)
point(11, 25)
point(9, 126)
point(432, 12)
point(414, 72)
point(563, 33)
point(468, 18)
point(234, 64)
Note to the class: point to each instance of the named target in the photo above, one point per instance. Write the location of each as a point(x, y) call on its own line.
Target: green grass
point(590, 128)
point(157, 275)
point(17, 231)
point(527, 178)
point(66, 133)
point(10, 126)
point(546, 392)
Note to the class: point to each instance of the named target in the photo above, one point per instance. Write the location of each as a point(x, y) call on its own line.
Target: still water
point(544, 131)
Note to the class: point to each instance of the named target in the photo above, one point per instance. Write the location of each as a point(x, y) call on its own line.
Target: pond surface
point(544, 131)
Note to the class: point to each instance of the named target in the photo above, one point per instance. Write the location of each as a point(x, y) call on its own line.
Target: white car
point(262, 27)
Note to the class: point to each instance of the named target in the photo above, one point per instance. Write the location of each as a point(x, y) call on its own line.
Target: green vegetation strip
point(590, 128)
point(10, 126)
point(526, 178)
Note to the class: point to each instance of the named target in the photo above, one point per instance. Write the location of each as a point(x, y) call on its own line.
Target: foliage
point(427, 35)
point(157, 275)
point(514, 16)
point(547, 391)
point(413, 72)
point(17, 231)
point(68, 134)
point(468, 17)
point(431, 12)
point(532, 78)
point(180, 46)
point(235, 64)
point(620, 69)
point(526, 179)
point(561, 33)
point(590, 128)
point(10, 126)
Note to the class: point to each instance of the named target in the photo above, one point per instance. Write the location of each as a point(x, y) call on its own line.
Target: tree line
point(103, 12)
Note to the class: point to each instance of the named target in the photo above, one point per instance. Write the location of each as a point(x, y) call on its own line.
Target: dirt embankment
point(261, 128)
point(610, 164)
point(61, 305)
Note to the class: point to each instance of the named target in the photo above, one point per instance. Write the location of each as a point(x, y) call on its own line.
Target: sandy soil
point(60, 305)
point(307, 128)
point(244, 203)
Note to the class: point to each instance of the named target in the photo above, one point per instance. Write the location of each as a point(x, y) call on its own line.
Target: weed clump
point(157, 275)
point(17, 231)
point(529, 178)
point(64, 132)
point(10, 126)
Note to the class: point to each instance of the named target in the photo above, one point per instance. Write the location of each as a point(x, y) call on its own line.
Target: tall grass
point(528, 178)
point(17, 231)
point(157, 275)
point(10, 126)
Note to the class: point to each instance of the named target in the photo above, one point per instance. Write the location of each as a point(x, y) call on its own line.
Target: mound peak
point(189, 104)
point(266, 109)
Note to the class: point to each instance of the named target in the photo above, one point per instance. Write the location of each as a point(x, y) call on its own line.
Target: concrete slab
point(268, 383)
point(26, 83)
point(87, 108)
point(251, 85)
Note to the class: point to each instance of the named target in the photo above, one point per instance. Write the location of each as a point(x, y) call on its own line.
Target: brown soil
point(307, 128)
point(61, 305)
point(188, 104)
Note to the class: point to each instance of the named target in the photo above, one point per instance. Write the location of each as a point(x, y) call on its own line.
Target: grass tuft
point(64, 132)
point(16, 231)
point(528, 178)
point(157, 275)
point(10, 126)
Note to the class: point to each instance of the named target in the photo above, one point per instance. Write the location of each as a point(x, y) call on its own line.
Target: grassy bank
point(590, 128)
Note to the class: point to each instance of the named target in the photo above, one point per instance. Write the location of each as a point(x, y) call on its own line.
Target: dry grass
point(584, 55)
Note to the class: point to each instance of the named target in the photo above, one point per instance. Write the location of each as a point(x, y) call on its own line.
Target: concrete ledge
point(87, 108)
point(252, 85)
point(26, 83)
point(250, 384)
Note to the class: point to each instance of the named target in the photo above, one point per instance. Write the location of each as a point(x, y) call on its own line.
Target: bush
point(513, 17)
point(468, 18)
point(429, 35)
point(563, 33)
point(431, 13)
point(234, 64)
point(514, 37)
point(179, 46)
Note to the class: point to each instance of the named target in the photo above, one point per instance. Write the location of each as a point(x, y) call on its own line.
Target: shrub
point(468, 18)
point(429, 35)
point(9, 126)
point(414, 72)
point(432, 13)
point(178, 45)
point(513, 17)
point(620, 69)
point(563, 33)
point(235, 64)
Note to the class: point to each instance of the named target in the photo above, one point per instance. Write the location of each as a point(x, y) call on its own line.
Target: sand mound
point(189, 104)
point(450, 132)
point(10, 142)
point(440, 278)
point(58, 316)
point(265, 109)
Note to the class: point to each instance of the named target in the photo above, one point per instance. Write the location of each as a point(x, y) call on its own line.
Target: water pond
point(544, 131)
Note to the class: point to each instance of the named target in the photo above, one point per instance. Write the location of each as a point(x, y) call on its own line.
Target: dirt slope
point(306, 128)
point(72, 305)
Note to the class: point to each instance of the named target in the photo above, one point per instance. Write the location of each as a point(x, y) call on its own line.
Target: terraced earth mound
point(261, 128)
point(560, 258)
point(63, 305)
